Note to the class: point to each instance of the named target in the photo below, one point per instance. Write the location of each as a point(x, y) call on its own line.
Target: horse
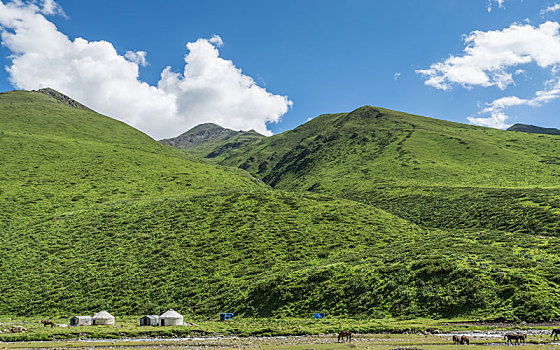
point(345, 334)
point(464, 340)
point(555, 333)
point(456, 339)
point(517, 337)
point(47, 323)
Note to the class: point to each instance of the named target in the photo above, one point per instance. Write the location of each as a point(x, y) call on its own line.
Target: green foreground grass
point(127, 327)
point(289, 333)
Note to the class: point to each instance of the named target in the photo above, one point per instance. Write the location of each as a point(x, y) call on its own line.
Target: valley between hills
point(367, 214)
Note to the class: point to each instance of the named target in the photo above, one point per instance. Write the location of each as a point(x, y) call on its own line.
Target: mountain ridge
point(532, 129)
point(210, 140)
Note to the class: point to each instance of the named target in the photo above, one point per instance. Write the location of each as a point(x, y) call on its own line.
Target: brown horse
point(464, 340)
point(345, 334)
point(555, 333)
point(456, 339)
point(517, 337)
point(47, 323)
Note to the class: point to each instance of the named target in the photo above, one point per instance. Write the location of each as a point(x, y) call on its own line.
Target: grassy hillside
point(430, 171)
point(56, 158)
point(96, 215)
point(269, 253)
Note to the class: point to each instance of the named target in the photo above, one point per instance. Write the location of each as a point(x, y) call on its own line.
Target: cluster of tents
point(168, 318)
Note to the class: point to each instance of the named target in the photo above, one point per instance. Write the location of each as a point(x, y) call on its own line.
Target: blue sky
point(314, 56)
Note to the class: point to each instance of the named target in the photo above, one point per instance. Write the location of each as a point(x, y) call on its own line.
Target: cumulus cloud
point(493, 58)
point(551, 8)
point(496, 120)
point(397, 75)
point(488, 56)
point(496, 109)
point(209, 89)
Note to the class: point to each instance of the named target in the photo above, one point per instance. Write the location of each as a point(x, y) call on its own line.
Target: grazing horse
point(456, 339)
point(555, 333)
point(345, 334)
point(517, 337)
point(464, 340)
point(47, 323)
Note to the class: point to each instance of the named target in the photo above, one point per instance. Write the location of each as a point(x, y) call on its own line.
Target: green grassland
point(416, 331)
point(127, 326)
point(286, 333)
point(96, 215)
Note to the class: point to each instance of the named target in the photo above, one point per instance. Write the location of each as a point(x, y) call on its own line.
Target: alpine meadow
point(372, 213)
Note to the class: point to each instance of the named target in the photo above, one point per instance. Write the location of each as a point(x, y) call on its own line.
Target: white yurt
point(103, 318)
point(171, 318)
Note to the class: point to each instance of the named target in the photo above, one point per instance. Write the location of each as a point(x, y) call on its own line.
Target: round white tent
point(171, 318)
point(103, 318)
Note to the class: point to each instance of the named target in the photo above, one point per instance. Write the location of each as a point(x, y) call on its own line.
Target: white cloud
point(216, 41)
point(210, 88)
point(488, 55)
point(496, 120)
point(496, 109)
point(50, 7)
point(138, 57)
point(551, 8)
point(499, 2)
point(397, 75)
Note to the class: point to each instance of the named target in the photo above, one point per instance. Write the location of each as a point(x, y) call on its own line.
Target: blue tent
point(226, 316)
point(319, 315)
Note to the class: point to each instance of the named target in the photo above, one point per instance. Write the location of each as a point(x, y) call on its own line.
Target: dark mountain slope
point(211, 141)
point(532, 129)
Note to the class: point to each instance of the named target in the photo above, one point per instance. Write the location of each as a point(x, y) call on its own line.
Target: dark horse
point(47, 323)
point(345, 334)
point(555, 333)
point(517, 337)
point(456, 339)
point(464, 340)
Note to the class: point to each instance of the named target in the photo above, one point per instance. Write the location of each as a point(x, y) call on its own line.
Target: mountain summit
point(63, 98)
point(210, 140)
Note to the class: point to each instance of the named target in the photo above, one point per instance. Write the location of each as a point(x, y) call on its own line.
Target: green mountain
point(532, 129)
point(432, 172)
point(57, 158)
point(211, 141)
point(95, 214)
